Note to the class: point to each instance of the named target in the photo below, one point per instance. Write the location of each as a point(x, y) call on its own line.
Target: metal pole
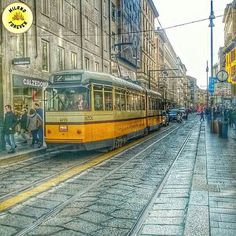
point(149, 79)
point(212, 25)
point(207, 70)
point(212, 17)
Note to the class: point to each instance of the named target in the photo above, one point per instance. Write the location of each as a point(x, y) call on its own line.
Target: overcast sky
point(192, 42)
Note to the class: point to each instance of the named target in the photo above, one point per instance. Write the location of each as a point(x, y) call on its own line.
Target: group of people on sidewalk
point(224, 114)
point(30, 123)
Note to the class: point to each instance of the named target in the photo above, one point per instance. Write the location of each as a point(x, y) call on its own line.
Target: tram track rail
point(142, 216)
point(55, 177)
point(57, 209)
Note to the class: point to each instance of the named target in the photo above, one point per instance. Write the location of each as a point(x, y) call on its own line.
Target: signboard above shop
point(24, 81)
point(21, 61)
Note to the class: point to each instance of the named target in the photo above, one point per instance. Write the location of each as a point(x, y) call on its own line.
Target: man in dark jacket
point(9, 128)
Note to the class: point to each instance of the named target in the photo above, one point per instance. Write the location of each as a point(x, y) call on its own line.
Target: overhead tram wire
point(188, 23)
point(132, 32)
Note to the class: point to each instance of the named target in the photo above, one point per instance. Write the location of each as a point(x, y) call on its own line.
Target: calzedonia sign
point(17, 18)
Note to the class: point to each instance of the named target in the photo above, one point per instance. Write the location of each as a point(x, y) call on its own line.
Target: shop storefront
point(27, 91)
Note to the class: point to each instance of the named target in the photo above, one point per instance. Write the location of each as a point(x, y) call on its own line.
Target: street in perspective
point(108, 127)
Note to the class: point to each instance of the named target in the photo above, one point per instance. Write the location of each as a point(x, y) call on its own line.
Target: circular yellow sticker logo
point(17, 18)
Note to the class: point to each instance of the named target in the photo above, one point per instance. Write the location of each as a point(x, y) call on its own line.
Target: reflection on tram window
point(98, 97)
point(108, 98)
point(67, 99)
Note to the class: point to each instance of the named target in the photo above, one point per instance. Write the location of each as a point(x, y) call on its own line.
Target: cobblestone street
point(199, 197)
point(196, 196)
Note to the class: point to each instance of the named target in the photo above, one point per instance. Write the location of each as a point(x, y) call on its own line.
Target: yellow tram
point(96, 110)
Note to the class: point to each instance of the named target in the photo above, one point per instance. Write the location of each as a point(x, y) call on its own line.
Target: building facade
point(65, 35)
point(146, 73)
point(230, 45)
point(126, 39)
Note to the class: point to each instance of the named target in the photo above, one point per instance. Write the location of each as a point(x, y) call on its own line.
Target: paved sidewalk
point(199, 196)
point(22, 150)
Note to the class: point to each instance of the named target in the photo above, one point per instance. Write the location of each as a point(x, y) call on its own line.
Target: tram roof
point(104, 78)
point(100, 78)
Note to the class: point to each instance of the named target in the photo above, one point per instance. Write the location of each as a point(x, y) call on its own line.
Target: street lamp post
point(207, 70)
point(211, 18)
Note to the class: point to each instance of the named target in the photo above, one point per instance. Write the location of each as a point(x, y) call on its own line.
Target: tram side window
point(108, 98)
point(98, 98)
point(122, 99)
point(142, 103)
point(149, 103)
point(129, 101)
point(118, 100)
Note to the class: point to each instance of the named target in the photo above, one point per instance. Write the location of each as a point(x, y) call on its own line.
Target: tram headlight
point(63, 128)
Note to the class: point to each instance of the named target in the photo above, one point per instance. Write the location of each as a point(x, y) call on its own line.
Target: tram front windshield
point(67, 99)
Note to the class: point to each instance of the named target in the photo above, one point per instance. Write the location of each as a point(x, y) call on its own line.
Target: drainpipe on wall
point(102, 35)
point(81, 36)
point(36, 30)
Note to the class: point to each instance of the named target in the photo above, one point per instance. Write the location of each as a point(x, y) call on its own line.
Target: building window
point(73, 60)
point(96, 4)
point(96, 34)
point(105, 37)
point(60, 11)
point(96, 66)
point(113, 40)
point(21, 45)
point(61, 58)
point(45, 55)
point(113, 12)
point(105, 8)
point(45, 7)
point(86, 27)
point(106, 69)
point(74, 19)
point(86, 63)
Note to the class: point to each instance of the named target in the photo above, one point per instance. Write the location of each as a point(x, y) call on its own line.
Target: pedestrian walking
point(233, 117)
point(9, 124)
point(23, 121)
point(202, 116)
point(34, 123)
point(39, 111)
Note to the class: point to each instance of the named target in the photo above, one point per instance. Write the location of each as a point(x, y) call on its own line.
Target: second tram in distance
point(96, 110)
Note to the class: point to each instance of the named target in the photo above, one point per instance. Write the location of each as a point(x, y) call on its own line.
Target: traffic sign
point(211, 87)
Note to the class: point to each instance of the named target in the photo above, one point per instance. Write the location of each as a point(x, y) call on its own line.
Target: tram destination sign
point(21, 61)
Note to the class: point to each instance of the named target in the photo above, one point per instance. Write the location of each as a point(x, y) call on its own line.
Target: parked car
point(165, 118)
point(183, 112)
point(175, 115)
